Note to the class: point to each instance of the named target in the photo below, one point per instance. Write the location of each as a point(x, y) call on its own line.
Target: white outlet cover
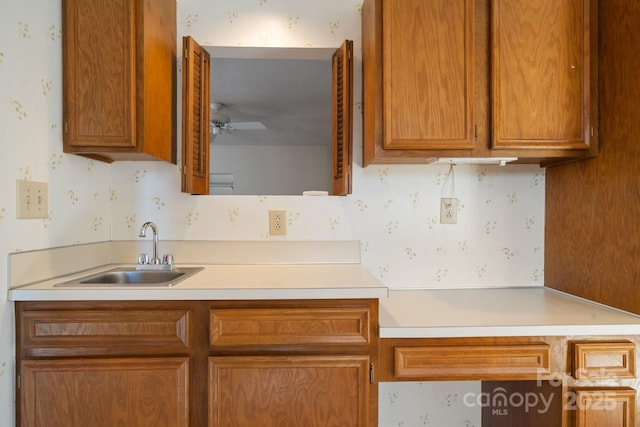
point(448, 210)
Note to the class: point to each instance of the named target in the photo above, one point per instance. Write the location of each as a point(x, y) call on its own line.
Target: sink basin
point(133, 278)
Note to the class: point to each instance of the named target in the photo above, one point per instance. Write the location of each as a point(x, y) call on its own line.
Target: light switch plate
point(32, 199)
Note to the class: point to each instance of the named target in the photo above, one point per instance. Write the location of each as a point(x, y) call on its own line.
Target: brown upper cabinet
point(119, 78)
point(196, 67)
point(479, 78)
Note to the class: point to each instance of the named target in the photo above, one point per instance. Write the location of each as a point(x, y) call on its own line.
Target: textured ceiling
point(291, 97)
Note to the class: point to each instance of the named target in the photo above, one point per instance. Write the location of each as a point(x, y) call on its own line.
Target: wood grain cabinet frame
point(133, 391)
point(471, 362)
point(289, 326)
point(604, 360)
point(463, 359)
point(604, 407)
point(119, 79)
point(479, 78)
point(197, 363)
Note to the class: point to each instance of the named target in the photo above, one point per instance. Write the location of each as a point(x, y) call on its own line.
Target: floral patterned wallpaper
point(393, 211)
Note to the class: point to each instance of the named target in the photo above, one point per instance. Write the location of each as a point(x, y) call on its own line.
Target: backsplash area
point(393, 211)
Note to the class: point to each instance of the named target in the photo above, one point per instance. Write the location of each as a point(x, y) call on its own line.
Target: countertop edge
point(509, 331)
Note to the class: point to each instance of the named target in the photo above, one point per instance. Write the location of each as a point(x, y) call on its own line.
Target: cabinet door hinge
point(592, 133)
point(19, 379)
point(66, 126)
point(371, 373)
point(475, 136)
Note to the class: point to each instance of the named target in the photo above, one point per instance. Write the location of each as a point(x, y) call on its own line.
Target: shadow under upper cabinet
point(289, 90)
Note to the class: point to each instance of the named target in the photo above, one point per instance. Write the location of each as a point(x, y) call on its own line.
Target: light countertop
point(530, 311)
point(225, 282)
point(312, 270)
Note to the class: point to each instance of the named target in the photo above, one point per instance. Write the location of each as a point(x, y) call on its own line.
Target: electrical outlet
point(277, 222)
point(448, 211)
point(32, 199)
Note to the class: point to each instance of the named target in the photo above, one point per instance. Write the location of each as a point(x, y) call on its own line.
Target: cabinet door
point(289, 391)
point(428, 87)
point(605, 407)
point(105, 392)
point(99, 73)
point(541, 73)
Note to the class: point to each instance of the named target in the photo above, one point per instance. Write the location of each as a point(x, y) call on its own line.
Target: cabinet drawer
point(103, 331)
point(604, 359)
point(472, 362)
point(290, 326)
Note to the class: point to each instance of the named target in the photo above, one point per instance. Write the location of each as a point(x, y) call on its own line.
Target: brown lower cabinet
point(197, 363)
point(293, 363)
point(550, 381)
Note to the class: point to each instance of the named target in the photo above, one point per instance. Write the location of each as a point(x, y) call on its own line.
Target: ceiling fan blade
point(247, 125)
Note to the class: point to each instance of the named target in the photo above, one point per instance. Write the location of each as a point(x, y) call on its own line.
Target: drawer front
point(48, 333)
point(231, 327)
point(472, 362)
point(604, 359)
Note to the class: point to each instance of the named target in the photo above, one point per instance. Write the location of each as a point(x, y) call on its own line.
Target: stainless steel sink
point(132, 277)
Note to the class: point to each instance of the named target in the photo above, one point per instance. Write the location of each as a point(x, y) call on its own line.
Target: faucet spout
point(143, 233)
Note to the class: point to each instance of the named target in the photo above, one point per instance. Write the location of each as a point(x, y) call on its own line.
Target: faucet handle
point(167, 259)
point(143, 259)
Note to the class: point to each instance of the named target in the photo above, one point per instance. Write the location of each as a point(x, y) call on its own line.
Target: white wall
point(393, 211)
point(274, 169)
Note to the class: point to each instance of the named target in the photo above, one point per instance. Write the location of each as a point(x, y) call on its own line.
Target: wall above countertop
point(393, 211)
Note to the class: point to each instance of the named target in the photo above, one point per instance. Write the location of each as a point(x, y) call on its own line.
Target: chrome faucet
point(155, 263)
point(143, 233)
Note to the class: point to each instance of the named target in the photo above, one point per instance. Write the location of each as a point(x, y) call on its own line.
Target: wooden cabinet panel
point(100, 331)
point(600, 360)
point(105, 363)
point(610, 407)
point(293, 391)
point(472, 361)
point(105, 392)
point(99, 57)
point(342, 119)
point(418, 80)
point(290, 326)
point(428, 83)
point(541, 74)
point(471, 358)
point(196, 65)
point(479, 78)
point(119, 77)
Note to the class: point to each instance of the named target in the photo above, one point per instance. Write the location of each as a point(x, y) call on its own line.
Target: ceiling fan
point(221, 122)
